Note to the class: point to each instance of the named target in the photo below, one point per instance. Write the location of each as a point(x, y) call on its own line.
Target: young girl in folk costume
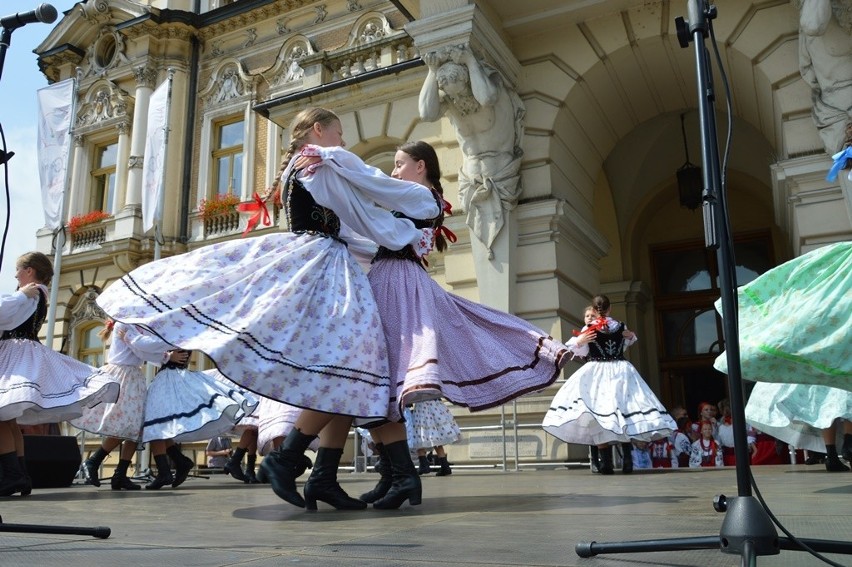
point(430, 424)
point(290, 316)
point(184, 406)
point(37, 385)
point(121, 422)
point(706, 452)
point(606, 401)
point(668, 452)
point(724, 434)
point(706, 412)
point(439, 344)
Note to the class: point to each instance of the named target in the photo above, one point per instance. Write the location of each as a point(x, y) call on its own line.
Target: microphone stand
point(747, 529)
point(5, 41)
point(99, 531)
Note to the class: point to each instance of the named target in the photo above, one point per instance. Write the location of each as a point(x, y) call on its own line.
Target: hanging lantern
point(690, 182)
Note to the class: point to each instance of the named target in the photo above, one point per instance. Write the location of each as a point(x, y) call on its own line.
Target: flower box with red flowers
point(77, 222)
point(218, 205)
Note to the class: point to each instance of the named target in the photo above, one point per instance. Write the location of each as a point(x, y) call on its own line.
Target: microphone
point(44, 13)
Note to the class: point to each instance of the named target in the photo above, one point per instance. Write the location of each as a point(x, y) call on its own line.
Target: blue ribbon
point(840, 159)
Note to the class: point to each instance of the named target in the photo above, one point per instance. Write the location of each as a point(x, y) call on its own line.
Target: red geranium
point(79, 221)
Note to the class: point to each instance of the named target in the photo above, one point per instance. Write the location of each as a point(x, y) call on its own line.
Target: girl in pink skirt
point(440, 344)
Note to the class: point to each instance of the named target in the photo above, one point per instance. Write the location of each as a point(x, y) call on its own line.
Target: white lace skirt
point(607, 402)
point(796, 413)
point(39, 385)
point(184, 405)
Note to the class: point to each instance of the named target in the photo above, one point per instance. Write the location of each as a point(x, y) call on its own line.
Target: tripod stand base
point(592, 548)
point(101, 532)
point(747, 531)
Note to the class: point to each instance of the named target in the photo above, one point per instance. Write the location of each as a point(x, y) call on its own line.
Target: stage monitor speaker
point(52, 460)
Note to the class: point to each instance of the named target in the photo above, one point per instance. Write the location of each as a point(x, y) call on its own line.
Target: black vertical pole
point(717, 236)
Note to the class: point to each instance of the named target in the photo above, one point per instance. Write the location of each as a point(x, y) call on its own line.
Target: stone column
point(146, 78)
point(78, 179)
point(122, 167)
point(478, 97)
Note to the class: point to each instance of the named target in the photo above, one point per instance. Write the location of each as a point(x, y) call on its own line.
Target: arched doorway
point(689, 330)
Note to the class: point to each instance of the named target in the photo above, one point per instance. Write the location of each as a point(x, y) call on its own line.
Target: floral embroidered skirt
point(287, 316)
point(794, 322)
point(122, 418)
point(430, 424)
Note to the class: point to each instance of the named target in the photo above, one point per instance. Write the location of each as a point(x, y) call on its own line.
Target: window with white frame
point(103, 178)
point(227, 157)
point(90, 347)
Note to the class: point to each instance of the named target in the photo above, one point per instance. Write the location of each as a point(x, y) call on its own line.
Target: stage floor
point(470, 519)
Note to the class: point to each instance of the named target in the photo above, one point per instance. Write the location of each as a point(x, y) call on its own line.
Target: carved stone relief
point(104, 102)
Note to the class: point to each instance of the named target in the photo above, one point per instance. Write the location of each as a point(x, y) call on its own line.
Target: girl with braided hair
point(290, 316)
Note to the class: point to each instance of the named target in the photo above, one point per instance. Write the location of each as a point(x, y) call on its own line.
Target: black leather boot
point(233, 467)
point(279, 466)
point(832, 462)
point(815, 458)
point(14, 480)
point(322, 484)
point(424, 465)
point(119, 480)
point(251, 460)
point(627, 458)
point(92, 466)
point(303, 465)
point(183, 465)
point(164, 474)
point(846, 451)
point(445, 467)
point(28, 489)
point(406, 482)
point(605, 454)
point(383, 467)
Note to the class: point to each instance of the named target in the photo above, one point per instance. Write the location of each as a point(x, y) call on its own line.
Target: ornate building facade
point(561, 127)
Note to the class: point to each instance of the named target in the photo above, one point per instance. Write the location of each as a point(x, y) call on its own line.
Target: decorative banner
point(55, 119)
point(153, 167)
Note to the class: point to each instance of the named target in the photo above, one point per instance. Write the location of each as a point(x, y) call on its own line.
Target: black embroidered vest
point(305, 215)
point(408, 253)
point(607, 346)
point(29, 328)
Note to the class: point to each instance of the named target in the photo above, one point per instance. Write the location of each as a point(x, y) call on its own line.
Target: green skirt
point(795, 321)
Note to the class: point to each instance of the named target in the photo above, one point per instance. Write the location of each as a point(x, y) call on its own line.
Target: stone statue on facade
point(825, 62)
point(488, 119)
